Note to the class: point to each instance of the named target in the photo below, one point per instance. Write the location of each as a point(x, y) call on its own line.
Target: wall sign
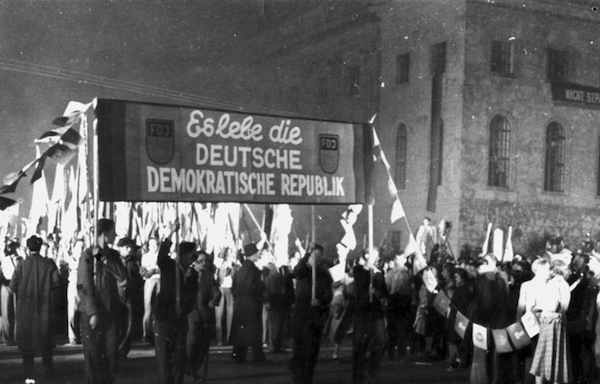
point(576, 95)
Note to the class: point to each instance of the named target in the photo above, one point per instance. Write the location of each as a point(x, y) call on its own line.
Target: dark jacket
point(165, 304)
point(248, 290)
point(371, 306)
point(101, 287)
point(323, 292)
point(34, 283)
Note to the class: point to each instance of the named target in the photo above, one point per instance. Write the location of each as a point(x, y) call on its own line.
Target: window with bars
point(401, 148)
point(499, 155)
point(438, 58)
point(502, 57)
point(558, 65)
point(354, 81)
point(402, 68)
point(554, 170)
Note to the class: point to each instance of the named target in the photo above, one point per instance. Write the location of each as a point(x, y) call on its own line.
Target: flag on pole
point(397, 211)
point(484, 248)
point(419, 262)
point(69, 224)
point(509, 253)
point(39, 202)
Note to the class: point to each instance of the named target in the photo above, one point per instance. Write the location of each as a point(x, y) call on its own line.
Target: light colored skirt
point(551, 357)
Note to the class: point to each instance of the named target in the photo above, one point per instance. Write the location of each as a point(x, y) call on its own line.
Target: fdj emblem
point(160, 140)
point(329, 151)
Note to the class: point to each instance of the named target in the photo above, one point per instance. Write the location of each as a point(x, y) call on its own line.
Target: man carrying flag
point(309, 314)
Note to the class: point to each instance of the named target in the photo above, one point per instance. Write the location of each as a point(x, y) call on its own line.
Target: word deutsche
point(231, 156)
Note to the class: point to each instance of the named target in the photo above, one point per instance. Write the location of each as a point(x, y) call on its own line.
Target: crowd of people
point(181, 300)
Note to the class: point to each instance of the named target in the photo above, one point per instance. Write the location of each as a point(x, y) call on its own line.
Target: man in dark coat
point(279, 298)
point(101, 285)
point(489, 309)
point(248, 290)
point(199, 319)
point(173, 304)
point(132, 320)
point(309, 314)
point(34, 282)
point(369, 318)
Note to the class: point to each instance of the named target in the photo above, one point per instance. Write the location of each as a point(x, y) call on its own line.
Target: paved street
point(141, 368)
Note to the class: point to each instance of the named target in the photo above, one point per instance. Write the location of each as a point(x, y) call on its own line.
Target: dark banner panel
point(150, 152)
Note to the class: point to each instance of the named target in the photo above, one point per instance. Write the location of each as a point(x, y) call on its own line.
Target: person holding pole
point(369, 318)
point(172, 307)
point(313, 296)
point(248, 292)
point(101, 285)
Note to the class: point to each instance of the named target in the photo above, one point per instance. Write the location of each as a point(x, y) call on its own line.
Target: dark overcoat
point(248, 291)
point(34, 282)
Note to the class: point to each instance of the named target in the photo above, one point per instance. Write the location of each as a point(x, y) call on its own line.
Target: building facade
point(487, 111)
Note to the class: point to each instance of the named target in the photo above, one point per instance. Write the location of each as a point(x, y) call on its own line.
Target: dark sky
point(54, 51)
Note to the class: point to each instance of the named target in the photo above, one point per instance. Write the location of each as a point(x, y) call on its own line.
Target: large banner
point(150, 152)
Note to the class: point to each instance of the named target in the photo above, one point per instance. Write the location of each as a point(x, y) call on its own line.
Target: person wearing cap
point(101, 285)
point(131, 321)
point(8, 264)
point(34, 282)
point(248, 290)
point(171, 308)
point(199, 330)
point(309, 313)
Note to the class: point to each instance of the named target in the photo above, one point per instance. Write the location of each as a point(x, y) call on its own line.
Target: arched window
point(554, 171)
point(499, 155)
point(401, 141)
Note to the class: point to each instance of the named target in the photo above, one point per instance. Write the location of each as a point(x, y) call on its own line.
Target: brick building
point(487, 110)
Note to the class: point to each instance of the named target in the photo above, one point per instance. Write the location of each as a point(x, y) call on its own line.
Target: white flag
point(484, 248)
point(509, 254)
point(397, 211)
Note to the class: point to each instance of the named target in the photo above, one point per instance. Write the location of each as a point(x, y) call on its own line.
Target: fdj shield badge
point(160, 140)
point(329, 151)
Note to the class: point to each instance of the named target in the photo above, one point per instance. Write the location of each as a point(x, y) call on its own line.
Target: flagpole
point(177, 264)
point(257, 224)
point(314, 263)
point(370, 250)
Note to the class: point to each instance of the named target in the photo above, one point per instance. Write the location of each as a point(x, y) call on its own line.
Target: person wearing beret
point(34, 282)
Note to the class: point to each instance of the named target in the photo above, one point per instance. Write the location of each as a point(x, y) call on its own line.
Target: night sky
point(175, 52)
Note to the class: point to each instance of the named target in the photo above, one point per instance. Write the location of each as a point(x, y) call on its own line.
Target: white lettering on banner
point(283, 134)
point(207, 181)
point(226, 128)
point(311, 185)
point(246, 129)
point(231, 156)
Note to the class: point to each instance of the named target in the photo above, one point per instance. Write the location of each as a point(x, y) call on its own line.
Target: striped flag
point(397, 211)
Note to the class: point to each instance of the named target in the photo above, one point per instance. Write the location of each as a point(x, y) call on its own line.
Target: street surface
point(140, 367)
